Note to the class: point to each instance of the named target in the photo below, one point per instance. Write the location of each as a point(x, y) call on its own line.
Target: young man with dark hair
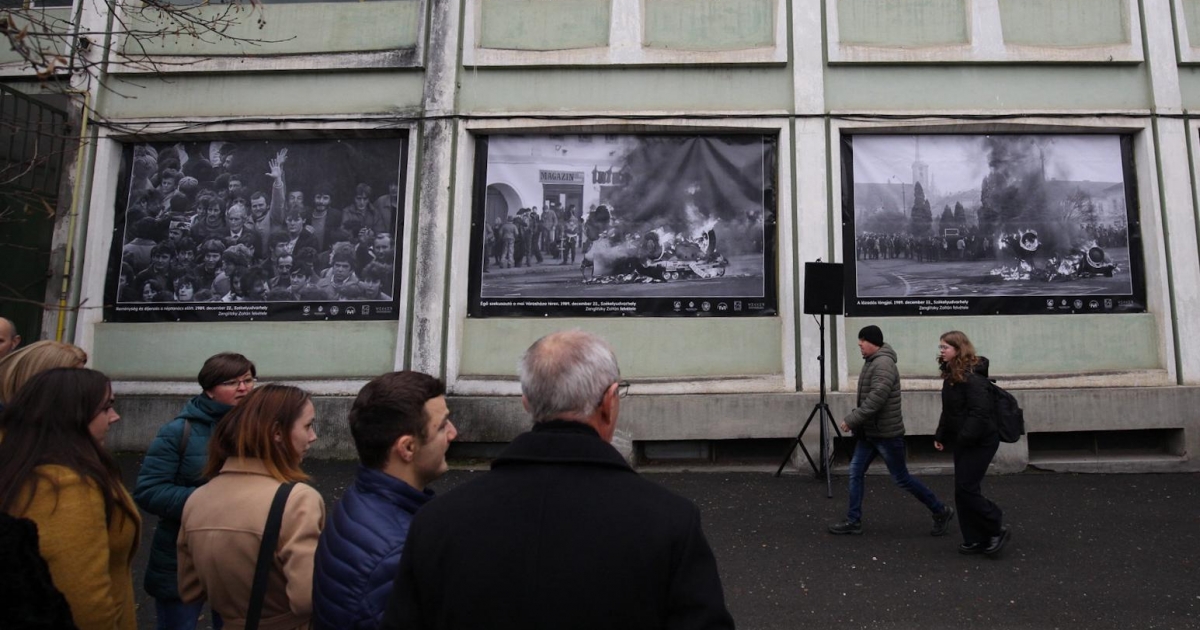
point(401, 428)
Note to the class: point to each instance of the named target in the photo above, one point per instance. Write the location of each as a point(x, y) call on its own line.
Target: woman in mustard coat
point(56, 471)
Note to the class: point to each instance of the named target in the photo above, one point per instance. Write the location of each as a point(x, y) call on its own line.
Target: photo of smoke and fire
point(617, 225)
point(985, 224)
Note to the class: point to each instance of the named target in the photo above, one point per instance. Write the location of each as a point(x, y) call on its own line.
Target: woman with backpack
point(968, 427)
point(253, 513)
point(56, 472)
point(171, 472)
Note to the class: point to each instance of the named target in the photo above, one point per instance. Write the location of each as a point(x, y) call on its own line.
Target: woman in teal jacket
point(171, 472)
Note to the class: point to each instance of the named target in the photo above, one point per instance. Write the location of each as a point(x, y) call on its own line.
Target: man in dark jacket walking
point(878, 424)
point(401, 428)
point(561, 533)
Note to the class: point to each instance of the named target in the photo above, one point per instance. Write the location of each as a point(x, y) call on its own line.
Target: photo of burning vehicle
point(987, 224)
point(617, 225)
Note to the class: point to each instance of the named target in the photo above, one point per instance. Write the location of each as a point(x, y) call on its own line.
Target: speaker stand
point(820, 409)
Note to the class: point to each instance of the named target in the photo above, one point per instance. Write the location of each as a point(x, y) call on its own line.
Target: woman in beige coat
point(254, 448)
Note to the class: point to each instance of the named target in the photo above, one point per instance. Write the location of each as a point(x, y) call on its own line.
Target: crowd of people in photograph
point(964, 244)
point(967, 245)
point(226, 232)
point(517, 240)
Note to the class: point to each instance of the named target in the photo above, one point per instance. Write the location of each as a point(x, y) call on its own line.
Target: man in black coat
point(561, 533)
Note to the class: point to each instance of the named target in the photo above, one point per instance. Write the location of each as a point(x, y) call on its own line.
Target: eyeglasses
point(238, 382)
point(943, 347)
point(622, 391)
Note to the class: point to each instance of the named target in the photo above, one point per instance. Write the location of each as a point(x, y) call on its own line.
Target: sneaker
point(846, 527)
point(941, 521)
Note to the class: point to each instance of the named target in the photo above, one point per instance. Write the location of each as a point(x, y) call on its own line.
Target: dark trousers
point(978, 517)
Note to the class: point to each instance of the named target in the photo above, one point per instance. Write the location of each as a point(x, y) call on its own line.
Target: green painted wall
point(1018, 345)
point(1189, 86)
point(646, 347)
point(709, 24)
point(261, 94)
point(276, 29)
point(292, 350)
point(1065, 22)
point(1191, 20)
point(57, 17)
point(626, 89)
point(543, 24)
point(940, 88)
point(903, 23)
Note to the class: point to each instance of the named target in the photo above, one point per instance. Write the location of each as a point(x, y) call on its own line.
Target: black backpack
point(1010, 418)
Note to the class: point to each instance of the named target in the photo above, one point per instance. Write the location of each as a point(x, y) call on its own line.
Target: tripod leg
point(799, 442)
point(827, 459)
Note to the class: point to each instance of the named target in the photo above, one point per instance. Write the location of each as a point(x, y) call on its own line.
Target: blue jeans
point(176, 615)
point(892, 450)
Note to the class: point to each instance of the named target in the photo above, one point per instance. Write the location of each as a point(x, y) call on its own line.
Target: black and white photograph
point(624, 225)
point(258, 230)
point(991, 224)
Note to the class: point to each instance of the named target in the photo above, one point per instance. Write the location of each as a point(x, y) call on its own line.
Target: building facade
point(750, 137)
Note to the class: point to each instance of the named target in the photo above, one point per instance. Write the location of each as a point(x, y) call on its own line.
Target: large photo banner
point(263, 230)
point(624, 225)
point(991, 224)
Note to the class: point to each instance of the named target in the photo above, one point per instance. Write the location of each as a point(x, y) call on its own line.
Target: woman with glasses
point(171, 472)
point(968, 427)
point(254, 451)
point(56, 472)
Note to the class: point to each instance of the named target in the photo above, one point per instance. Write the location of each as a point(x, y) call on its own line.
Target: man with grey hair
point(9, 339)
point(561, 532)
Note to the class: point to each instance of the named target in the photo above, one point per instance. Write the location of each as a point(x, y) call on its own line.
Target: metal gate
point(34, 139)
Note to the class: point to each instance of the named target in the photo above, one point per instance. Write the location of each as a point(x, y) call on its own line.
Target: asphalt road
point(1088, 551)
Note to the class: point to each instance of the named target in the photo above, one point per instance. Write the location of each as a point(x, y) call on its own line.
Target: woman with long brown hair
point(55, 471)
point(255, 448)
point(968, 426)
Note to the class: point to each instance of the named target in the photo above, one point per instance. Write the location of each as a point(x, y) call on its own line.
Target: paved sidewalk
point(1088, 551)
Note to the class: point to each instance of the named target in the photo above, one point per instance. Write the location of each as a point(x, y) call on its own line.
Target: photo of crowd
point(288, 225)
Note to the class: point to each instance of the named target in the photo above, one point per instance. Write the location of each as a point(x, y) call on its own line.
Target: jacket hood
point(201, 408)
point(885, 350)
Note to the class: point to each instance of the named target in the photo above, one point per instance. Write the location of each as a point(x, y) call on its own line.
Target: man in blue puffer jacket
point(401, 427)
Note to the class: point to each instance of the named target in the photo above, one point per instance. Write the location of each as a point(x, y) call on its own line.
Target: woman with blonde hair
point(20, 366)
point(968, 426)
point(254, 457)
point(56, 472)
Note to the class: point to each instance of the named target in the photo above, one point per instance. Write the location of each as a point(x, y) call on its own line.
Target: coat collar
point(247, 465)
point(561, 442)
point(205, 409)
point(391, 489)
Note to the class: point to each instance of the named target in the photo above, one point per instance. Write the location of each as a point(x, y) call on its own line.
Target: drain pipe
point(68, 297)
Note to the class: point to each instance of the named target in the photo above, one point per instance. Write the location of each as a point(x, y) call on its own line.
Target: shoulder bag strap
point(266, 555)
point(183, 442)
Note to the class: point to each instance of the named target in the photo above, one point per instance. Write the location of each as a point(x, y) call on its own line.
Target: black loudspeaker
point(823, 284)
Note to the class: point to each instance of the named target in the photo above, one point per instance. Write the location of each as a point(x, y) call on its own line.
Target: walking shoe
point(996, 543)
point(846, 527)
point(970, 549)
point(941, 521)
